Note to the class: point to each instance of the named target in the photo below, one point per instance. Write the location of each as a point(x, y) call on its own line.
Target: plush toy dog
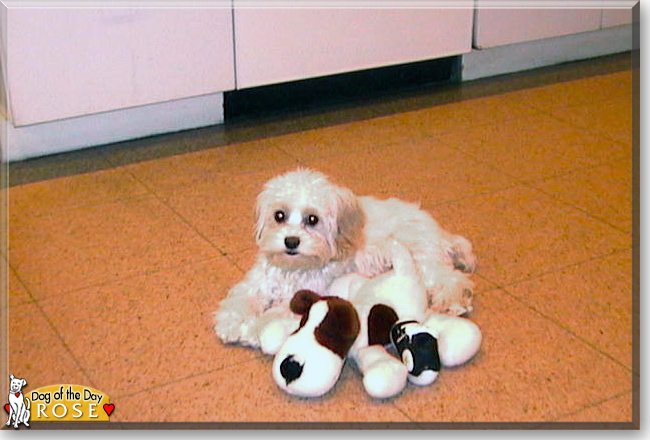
point(357, 319)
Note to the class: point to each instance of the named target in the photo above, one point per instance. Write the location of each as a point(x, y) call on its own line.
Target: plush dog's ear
point(12, 377)
point(350, 219)
point(302, 301)
point(24, 383)
point(380, 320)
point(340, 328)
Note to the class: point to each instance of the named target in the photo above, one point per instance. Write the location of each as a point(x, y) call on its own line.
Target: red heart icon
point(7, 407)
point(17, 394)
point(109, 408)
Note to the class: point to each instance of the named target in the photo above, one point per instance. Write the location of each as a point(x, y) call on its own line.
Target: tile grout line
point(37, 303)
point(31, 299)
point(496, 168)
point(531, 184)
point(580, 209)
point(566, 330)
point(537, 276)
point(592, 405)
point(56, 332)
point(130, 277)
point(226, 367)
point(576, 170)
point(191, 376)
point(50, 212)
point(154, 193)
point(505, 289)
point(604, 134)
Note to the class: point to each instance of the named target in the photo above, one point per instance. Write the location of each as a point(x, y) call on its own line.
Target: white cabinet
point(78, 77)
point(278, 45)
point(498, 27)
point(64, 63)
point(616, 17)
point(512, 40)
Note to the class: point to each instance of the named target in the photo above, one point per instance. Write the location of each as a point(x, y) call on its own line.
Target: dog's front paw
point(250, 332)
point(462, 305)
point(462, 256)
point(453, 295)
point(458, 310)
point(228, 326)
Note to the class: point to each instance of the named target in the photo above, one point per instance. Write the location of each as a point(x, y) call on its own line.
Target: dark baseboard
point(340, 88)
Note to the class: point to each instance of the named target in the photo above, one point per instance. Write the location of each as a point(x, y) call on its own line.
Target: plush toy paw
point(275, 333)
point(459, 339)
point(383, 375)
point(418, 348)
point(385, 379)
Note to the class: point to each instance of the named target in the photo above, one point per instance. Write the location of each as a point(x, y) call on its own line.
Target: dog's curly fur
point(310, 231)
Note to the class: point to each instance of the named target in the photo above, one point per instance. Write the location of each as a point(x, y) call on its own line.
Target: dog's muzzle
point(290, 369)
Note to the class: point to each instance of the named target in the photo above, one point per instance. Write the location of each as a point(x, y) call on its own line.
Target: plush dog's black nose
point(292, 242)
point(290, 369)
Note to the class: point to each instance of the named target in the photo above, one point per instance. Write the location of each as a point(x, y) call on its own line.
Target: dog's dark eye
point(312, 220)
point(279, 216)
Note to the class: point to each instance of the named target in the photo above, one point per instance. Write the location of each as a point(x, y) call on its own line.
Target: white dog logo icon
point(18, 404)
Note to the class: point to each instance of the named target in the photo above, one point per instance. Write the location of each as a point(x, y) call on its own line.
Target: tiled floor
point(114, 273)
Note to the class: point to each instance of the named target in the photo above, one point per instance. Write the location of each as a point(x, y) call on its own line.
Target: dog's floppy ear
point(350, 219)
point(261, 212)
point(24, 383)
point(302, 301)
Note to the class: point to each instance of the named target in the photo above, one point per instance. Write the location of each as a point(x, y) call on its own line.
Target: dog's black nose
point(292, 242)
point(290, 369)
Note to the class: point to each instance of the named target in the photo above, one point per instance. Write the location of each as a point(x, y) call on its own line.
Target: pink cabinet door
point(498, 27)
point(63, 63)
point(278, 45)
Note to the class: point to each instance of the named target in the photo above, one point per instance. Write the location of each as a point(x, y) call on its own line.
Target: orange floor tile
point(114, 273)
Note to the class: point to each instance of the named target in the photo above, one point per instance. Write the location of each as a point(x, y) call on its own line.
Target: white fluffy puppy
point(310, 231)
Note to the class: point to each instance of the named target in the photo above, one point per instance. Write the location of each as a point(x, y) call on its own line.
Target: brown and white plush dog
point(356, 320)
point(310, 231)
point(310, 361)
